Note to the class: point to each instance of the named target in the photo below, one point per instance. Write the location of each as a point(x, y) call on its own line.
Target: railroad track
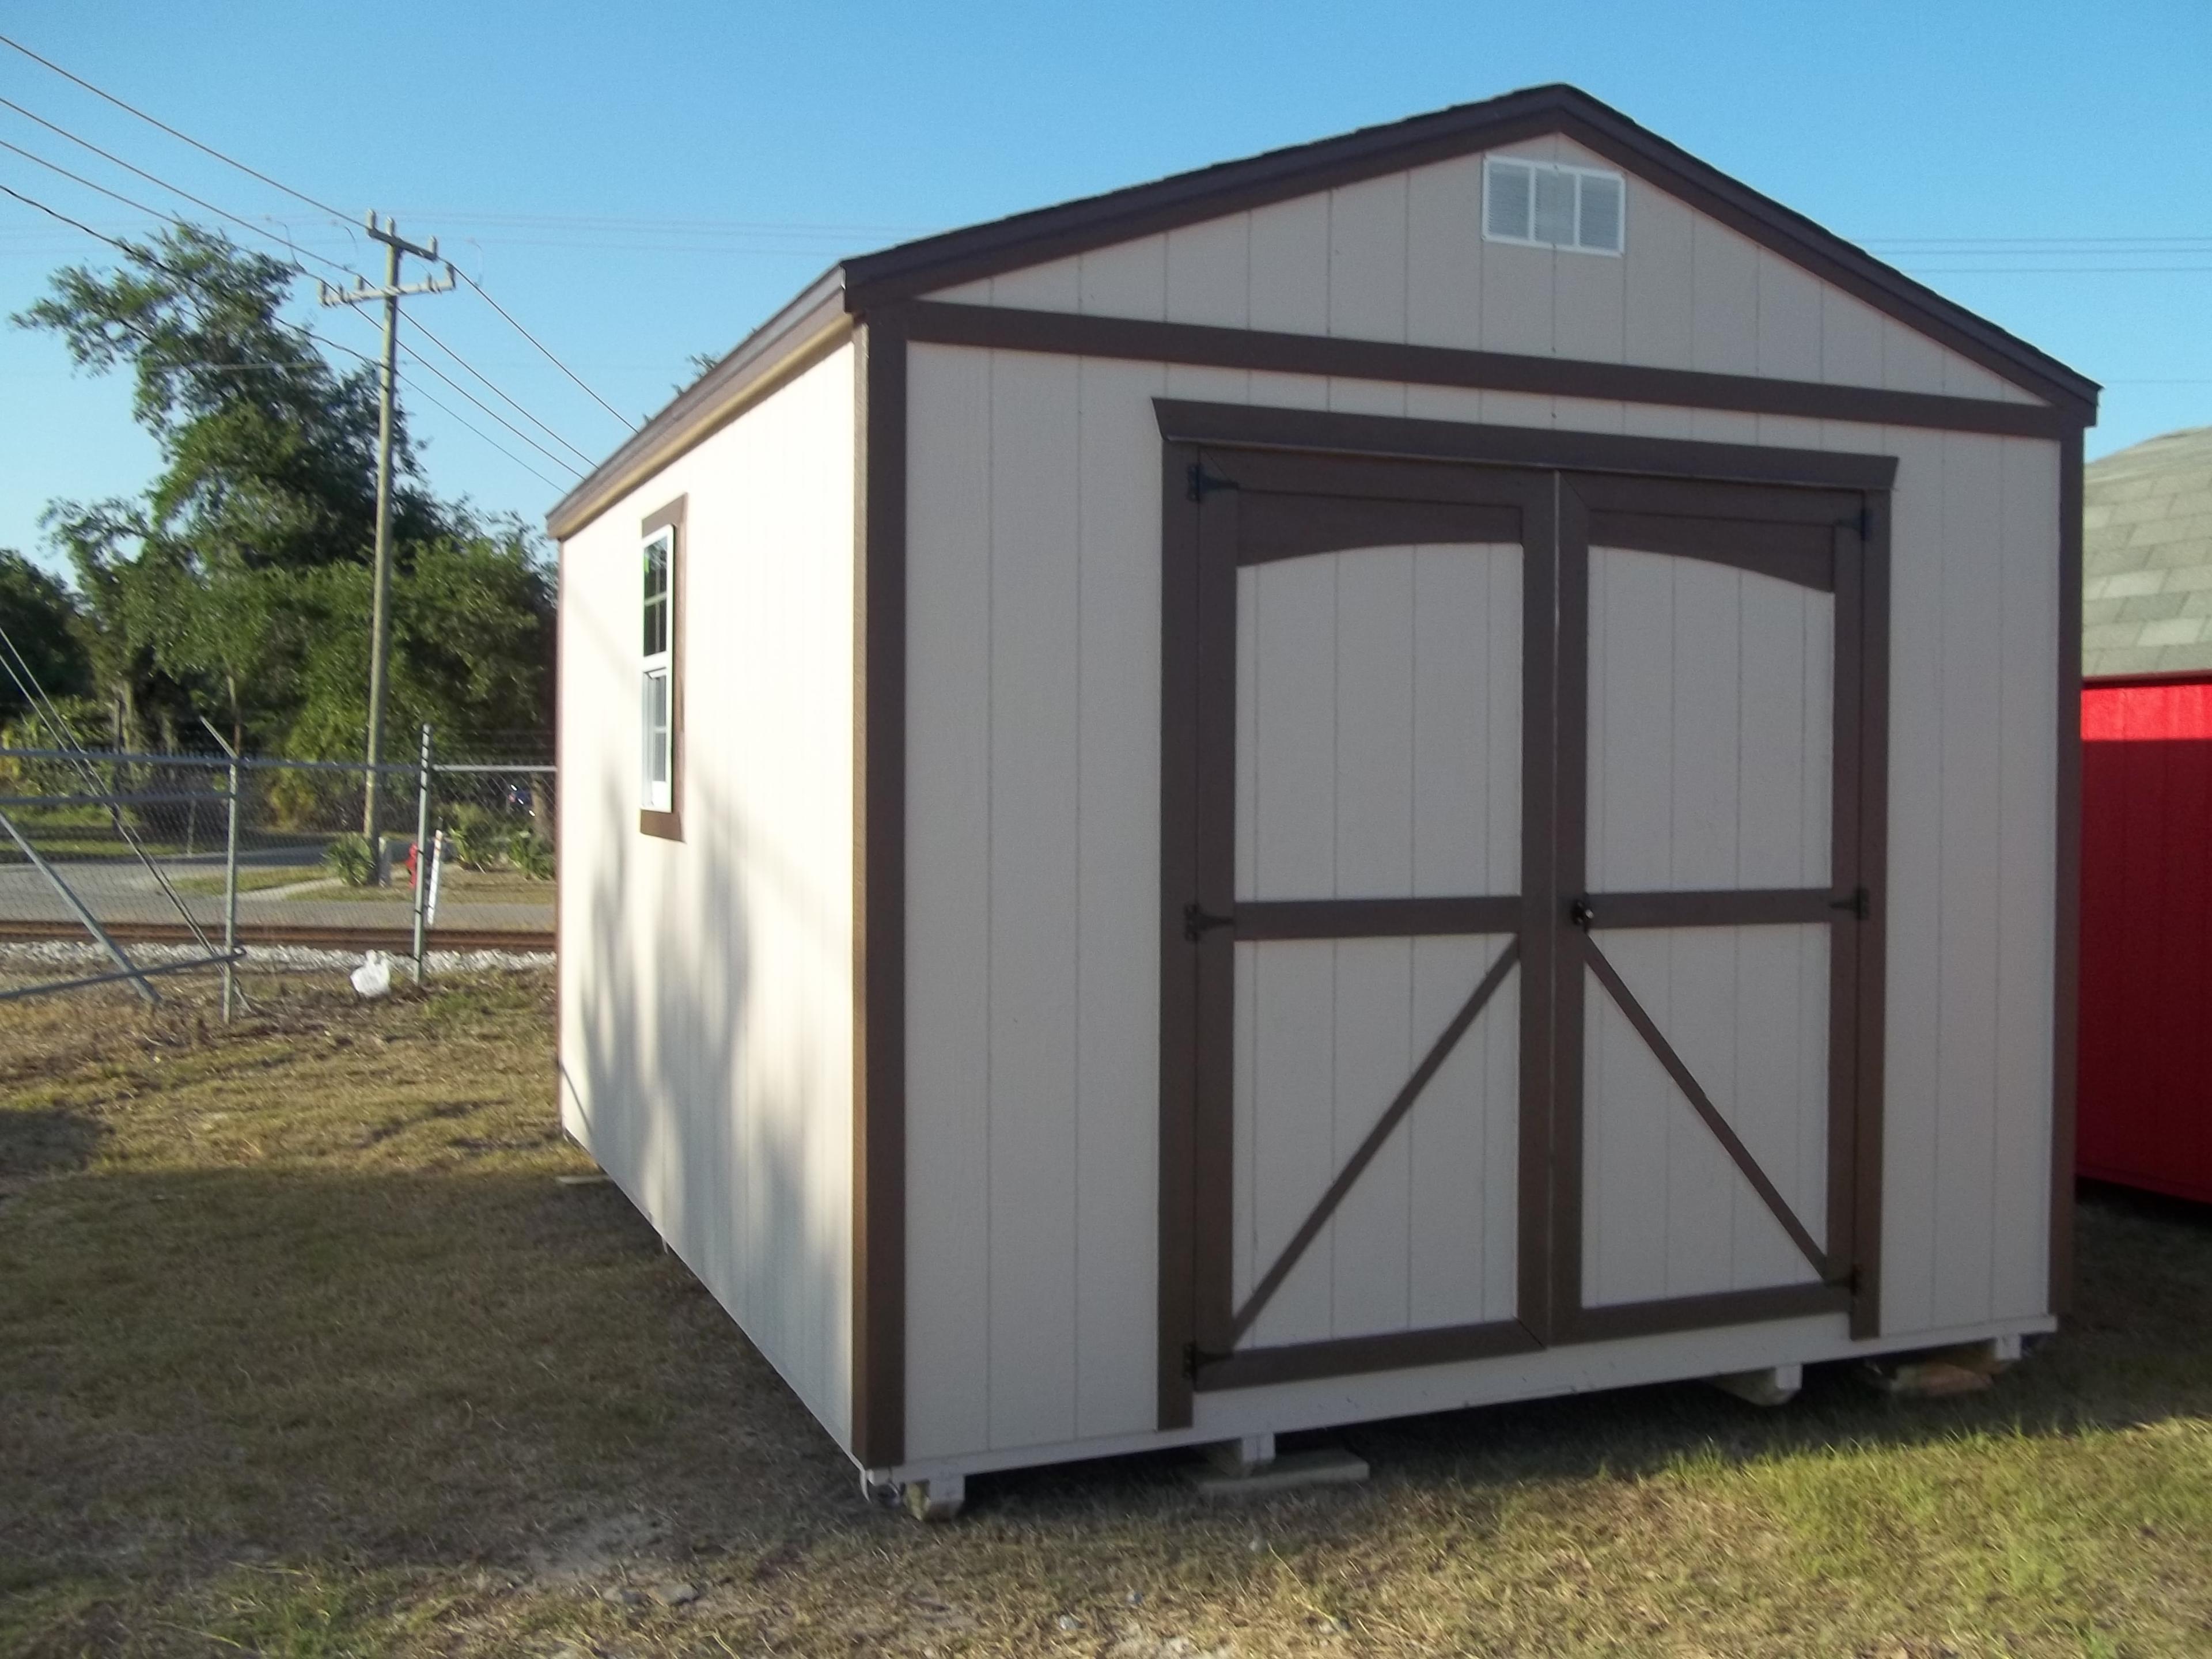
point(310, 935)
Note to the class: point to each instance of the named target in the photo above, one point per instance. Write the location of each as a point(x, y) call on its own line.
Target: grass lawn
point(476, 886)
point(251, 878)
point(304, 1350)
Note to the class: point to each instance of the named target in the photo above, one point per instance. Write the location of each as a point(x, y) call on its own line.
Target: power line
point(296, 250)
point(421, 361)
point(300, 196)
point(487, 380)
point(206, 149)
point(550, 357)
point(323, 340)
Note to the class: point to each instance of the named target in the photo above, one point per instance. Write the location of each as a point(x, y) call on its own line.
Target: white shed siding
point(706, 986)
point(1033, 676)
point(1402, 257)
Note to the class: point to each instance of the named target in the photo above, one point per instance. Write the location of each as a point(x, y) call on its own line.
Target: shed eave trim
point(916, 267)
point(811, 323)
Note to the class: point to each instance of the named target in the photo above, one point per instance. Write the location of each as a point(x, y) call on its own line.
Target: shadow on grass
point(473, 1367)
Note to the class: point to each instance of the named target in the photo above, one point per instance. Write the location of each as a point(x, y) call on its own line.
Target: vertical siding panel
point(1117, 971)
point(1367, 233)
point(1632, 724)
point(1209, 272)
point(1704, 1206)
point(1368, 1246)
point(1444, 258)
point(1789, 327)
point(1465, 659)
point(1707, 736)
point(2026, 854)
point(1374, 737)
point(1294, 1133)
point(948, 898)
point(1294, 729)
point(1290, 266)
point(1629, 1103)
point(1910, 362)
point(1590, 319)
point(1516, 298)
point(1057, 286)
point(1659, 279)
point(1851, 340)
point(1453, 1190)
point(1034, 733)
point(1972, 711)
point(1913, 1020)
point(1723, 300)
point(1776, 1102)
point(1129, 279)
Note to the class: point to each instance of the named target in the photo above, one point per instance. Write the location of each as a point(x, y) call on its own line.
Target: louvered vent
point(1544, 205)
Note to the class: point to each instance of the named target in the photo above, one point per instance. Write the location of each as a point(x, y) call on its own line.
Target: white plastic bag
point(373, 977)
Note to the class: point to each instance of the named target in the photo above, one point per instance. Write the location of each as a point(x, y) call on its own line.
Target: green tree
point(237, 584)
point(40, 617)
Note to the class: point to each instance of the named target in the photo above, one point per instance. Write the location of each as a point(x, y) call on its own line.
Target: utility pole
point(379, 648)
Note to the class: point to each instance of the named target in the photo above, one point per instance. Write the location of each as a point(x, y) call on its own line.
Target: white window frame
point(658, 795)
point(1493, 164)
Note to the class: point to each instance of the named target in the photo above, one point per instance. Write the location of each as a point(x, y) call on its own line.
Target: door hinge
point(1860, 904)
point(1190, 1362)
point(1203, 483)
point(1198, 922)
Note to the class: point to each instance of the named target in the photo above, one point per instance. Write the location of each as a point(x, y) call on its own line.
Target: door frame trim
point(1200, 554)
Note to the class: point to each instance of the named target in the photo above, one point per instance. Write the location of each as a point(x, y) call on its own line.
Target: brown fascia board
point(779, 348)
point(916, 267)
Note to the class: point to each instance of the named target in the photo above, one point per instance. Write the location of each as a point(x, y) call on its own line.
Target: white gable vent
point(1544, 205)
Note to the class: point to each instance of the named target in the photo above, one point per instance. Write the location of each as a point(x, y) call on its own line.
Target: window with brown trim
point(660, 686)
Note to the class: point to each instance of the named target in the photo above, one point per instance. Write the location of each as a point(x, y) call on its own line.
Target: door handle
point(1581, 914)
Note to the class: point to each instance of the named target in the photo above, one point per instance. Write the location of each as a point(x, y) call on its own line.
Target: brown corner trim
point(1251, 426)
point(1001, 328)
point(878, 1384)
point(669, 825)
point(1341, 1356)
point(2066, 966)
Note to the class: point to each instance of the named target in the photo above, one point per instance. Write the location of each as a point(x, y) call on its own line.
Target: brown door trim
point(1822, 526)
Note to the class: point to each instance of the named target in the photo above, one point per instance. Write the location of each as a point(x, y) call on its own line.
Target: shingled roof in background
point(2146, 556)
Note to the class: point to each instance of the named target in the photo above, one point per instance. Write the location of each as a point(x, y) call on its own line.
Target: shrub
point(474, 838)
point(531, 853)
point(348, 859)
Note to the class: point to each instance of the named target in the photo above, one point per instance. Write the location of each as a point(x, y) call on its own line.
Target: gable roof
point(2147, 558)
point(854, 287)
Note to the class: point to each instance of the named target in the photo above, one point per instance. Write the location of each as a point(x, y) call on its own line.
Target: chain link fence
point(141, 846)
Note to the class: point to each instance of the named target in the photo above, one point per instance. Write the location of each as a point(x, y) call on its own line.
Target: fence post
point(422, 849)
point(229, 877)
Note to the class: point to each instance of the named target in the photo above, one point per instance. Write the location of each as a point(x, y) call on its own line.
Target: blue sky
point(637, 184)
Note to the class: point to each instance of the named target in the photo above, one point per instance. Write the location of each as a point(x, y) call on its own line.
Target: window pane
point(1600, 217)
point(656, 626)
point(1555, 207)
point(1509, 200)
point(657, 735)
point(656, 567)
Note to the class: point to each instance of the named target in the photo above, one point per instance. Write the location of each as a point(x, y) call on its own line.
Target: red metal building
point(2145, 1113)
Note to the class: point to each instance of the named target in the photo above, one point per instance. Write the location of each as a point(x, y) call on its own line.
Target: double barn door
point(1518, 926)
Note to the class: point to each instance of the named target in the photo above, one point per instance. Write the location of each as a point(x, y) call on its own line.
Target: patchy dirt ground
point(306, 1349)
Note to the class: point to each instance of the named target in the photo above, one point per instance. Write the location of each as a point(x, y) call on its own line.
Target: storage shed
point(2147, 818)
point(1430, 768)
